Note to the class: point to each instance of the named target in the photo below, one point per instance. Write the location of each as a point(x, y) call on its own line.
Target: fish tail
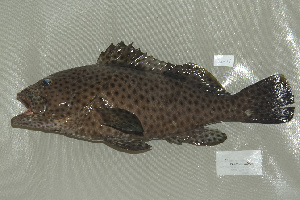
point(264, 102)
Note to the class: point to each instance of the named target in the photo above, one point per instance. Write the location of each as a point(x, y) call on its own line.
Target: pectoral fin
point(121, 120)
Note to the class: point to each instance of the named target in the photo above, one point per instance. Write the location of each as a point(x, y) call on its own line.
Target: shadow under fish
point(128, 98)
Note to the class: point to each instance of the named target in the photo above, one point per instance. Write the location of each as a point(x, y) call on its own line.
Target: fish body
point(128, 98)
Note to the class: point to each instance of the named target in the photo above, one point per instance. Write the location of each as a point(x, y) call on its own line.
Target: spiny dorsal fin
point(196, 75)
point(128, 56)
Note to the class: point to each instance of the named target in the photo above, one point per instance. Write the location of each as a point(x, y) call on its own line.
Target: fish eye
point(47, 81)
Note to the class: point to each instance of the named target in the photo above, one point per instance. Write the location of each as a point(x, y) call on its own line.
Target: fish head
point(49, 103)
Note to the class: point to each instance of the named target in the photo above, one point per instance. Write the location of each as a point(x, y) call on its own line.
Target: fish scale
point(128, 98)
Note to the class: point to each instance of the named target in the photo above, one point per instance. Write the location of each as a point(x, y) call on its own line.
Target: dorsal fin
point(196, 75)
point(128, 56)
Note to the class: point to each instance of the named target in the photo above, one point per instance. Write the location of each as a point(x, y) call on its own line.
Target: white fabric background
point(38, 38)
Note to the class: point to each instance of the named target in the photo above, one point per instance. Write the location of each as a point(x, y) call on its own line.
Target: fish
point(128, 98)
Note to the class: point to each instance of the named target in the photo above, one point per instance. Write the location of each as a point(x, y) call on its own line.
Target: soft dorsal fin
point(128, 56)
point(196, 75)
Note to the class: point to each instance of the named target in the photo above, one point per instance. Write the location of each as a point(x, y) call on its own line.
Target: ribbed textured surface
point(38, 38)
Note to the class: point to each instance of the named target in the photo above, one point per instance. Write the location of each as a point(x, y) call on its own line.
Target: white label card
point(247, 162)
point(224, 60)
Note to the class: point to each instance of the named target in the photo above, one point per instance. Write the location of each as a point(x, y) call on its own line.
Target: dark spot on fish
point(181, 102)
point(174, 117)
point(141, 97)
point(189, 109)
point(181, 123)
point(151, 117)
point(151, 126)
point(152, 98)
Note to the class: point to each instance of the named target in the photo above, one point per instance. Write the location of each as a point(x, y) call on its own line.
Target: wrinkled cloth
point(40, 38)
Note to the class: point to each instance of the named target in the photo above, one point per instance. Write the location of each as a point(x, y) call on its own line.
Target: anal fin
point(128, 144)
point(199, 137)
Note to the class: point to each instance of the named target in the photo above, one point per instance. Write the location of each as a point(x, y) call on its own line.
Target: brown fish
point(128, 98)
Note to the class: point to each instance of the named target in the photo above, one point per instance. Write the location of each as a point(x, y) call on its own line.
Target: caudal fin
point(265, 101)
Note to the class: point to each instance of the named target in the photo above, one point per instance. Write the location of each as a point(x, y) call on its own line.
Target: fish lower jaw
point(28, 112)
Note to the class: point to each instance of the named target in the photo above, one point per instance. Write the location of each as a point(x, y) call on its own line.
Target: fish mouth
point(24, 119)
point(36, 105)
point(26, 101)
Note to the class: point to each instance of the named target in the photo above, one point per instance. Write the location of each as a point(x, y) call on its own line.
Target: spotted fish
point(128, 98)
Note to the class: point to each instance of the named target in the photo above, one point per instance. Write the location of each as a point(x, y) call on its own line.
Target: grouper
point(128, 98)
